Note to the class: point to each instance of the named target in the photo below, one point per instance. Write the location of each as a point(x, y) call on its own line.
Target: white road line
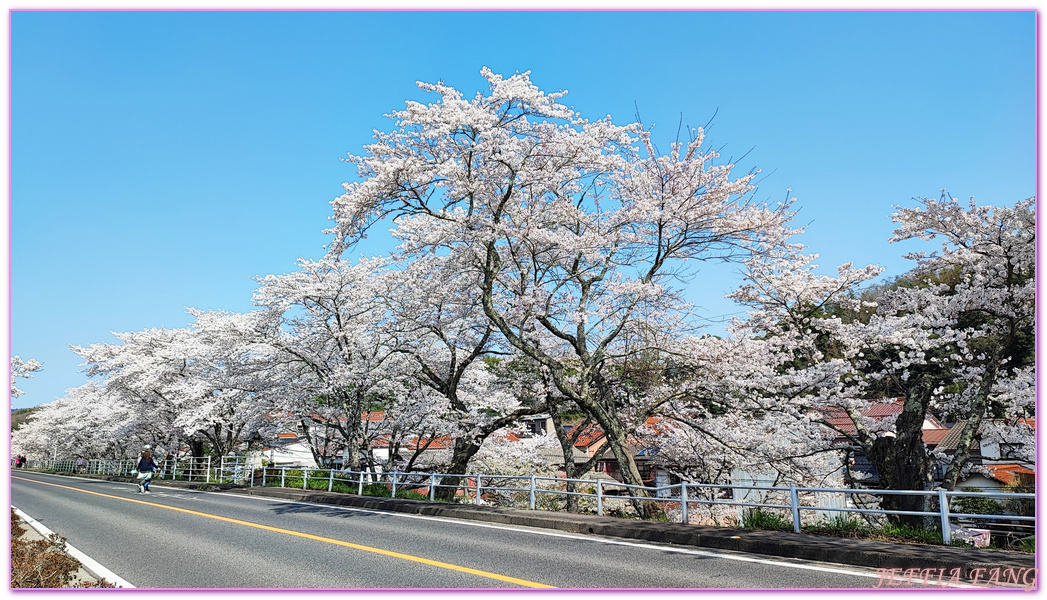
point(600, 540)
point(89, 563)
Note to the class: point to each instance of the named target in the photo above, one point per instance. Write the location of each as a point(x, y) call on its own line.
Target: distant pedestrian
point(146, 468)
point(22, 461)
point(81, 464)
point(18, 462)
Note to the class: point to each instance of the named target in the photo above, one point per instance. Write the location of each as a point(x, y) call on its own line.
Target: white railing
point(206, 469)
point(678, 501)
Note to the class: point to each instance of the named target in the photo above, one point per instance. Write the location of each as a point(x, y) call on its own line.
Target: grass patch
point(757, 518)
point(850, 527)
point(910, 533)
point(840, 526)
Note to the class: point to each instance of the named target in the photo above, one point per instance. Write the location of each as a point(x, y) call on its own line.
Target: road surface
point(179, 539)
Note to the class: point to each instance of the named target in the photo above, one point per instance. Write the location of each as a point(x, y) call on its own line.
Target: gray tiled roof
point(952, 439)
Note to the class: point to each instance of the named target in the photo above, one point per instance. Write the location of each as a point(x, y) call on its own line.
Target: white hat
point(148, 447)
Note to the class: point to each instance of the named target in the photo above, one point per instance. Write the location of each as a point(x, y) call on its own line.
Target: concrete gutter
point(857, 552)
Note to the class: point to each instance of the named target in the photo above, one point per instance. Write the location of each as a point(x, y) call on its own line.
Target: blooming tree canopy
point(22, 368)
point(570, 228)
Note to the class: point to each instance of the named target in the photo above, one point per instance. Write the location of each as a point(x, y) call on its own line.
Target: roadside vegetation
point(44, 563)
point(854, 528)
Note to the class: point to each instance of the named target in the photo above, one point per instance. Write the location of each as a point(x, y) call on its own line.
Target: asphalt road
point(185, 539)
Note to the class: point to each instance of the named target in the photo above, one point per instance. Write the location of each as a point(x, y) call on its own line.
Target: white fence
point(679, 502)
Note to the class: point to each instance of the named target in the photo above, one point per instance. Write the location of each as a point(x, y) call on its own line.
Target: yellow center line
point(318, 538)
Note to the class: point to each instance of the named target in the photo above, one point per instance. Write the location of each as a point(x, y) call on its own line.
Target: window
point(1010, 450)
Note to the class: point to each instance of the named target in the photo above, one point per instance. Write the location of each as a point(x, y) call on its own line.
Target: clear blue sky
point(162, 159)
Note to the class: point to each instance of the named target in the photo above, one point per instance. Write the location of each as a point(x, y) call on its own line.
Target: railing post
point(265, 471)
point(330, 480)
point(393, 475)
point(943, 509)
point(599, 497)
point(252, 477)
point(683, 503)
point(794, 501)
point(432, 487)
point(477, 488)
point(305, 478)
point(360, 488)
point(532, 492)
point(283, 475)
point(208, 469)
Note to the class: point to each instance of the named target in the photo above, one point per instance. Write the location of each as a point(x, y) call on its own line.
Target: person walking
point(146, 468)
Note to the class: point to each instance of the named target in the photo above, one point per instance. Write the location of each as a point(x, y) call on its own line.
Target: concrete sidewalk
point(857, 552)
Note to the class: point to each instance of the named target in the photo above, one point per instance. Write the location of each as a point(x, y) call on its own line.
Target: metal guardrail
point(500, 489)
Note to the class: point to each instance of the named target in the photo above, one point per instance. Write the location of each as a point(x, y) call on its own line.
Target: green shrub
point(411, 495)
point(841, 525)
point(318, 484)
point(757, 518)
point(908, 532)
point(379, 490)
point(976, 505)
point(343, 488)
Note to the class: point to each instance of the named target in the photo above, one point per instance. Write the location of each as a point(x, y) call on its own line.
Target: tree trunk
point(902, 463)
point(571, 469)
point(464, 451)
point(974, 422)
point(618, 443)
point(196, 451)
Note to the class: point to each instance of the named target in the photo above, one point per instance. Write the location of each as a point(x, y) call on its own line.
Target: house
point(995, 464)
point(541, 424)
point(590, 440)
point(288, 450)
point(880, 415)
point(593, 441)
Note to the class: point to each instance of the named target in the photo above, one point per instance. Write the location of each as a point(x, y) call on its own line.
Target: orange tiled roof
point(934, 436)
point(1008, 473)
point(590, 436)
point(440, 443)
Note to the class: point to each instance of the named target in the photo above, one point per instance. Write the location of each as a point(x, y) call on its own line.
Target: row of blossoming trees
point(539, 269)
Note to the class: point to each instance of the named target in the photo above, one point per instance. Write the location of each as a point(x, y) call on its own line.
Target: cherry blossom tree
point(986, 303)
point(953, 341)
point(151, 370)
point(190, 386)
point(85, 422)
point(439, 323)
point(571, 232)
point(327, 325)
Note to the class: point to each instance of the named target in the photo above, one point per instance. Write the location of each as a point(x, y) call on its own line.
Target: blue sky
point(161, 160)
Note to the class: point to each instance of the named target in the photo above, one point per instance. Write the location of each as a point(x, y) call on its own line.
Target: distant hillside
point(21, 415)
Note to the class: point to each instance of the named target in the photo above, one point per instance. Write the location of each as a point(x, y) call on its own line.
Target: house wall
point(979, 481)
point(291, 455)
